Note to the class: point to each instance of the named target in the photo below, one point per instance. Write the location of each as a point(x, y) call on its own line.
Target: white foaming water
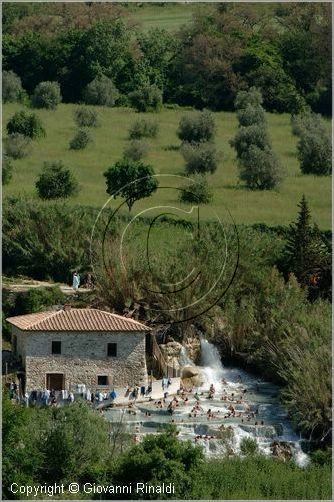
point(213, 369)
point(184, 358)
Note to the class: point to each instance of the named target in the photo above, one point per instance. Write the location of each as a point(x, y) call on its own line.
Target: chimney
point(67, 306)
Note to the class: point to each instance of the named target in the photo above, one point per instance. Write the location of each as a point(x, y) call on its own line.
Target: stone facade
point(84, 357)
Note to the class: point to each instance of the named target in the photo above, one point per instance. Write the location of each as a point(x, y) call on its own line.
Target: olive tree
point(101, 91)
point(260, 169)
point(130, 179)
point(56, 181)
point(47, 95)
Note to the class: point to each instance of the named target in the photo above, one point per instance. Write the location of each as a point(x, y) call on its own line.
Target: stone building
point(61, 349)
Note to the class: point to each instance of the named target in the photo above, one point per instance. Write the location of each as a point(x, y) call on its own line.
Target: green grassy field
point(271, 207)
point(168, 16)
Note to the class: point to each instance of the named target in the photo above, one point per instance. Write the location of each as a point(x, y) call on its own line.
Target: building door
point(55, 381)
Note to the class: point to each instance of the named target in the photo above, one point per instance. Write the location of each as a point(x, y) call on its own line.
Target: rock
point(193, 347)
point(189, 372)
point(281, 450)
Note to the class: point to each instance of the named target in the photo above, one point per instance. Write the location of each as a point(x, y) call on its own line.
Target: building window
point(102, 380)
point(56, 347)
point(112, 349)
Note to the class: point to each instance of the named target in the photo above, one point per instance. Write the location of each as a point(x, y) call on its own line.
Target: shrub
point(135, 150)
point(260, 169)
point(86, 117)
point(306, 121)
point(143, 128)
point(11, 87)
point(101, 91)
point(200, 157)
point(248, 446)
point(315, 152)
point(251, 97)
point(7, 168)
point(322, 457)
point(130, 179)
point(146, 99)
point(26, 124)
point(197, 127)
point(80, 140)
point(255, 135)
point(198, 191)
point(38, 299)
point(47, 95)
point(251, 115)
point(28, 248)
point(56, 181)
point(17, 146)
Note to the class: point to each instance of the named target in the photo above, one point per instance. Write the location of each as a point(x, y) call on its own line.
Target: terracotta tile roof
point(76, 320)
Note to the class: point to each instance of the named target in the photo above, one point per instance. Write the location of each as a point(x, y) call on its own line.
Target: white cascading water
point(213, 369)
point(184, 358)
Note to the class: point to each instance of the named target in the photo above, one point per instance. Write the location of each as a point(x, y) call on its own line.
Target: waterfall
point(211, 363)
point(184, 358)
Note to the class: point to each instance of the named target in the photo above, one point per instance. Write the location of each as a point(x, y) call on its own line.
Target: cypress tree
point(307, 254)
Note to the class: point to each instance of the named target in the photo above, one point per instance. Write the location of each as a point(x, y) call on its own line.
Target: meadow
point(168, 16)
point(246, 207)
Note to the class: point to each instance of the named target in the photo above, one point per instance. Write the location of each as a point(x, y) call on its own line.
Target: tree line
point(284, 50)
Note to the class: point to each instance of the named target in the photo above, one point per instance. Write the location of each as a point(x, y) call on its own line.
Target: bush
point(146, 99)
point(260, 169)
point(26, 124)
point(143, 128)
point(101, 91)
point(322, 457)
point(248, 446)
point(17, 146)
point(200, 157)
point(251, 97)
point(80, 140)
point(56, 181)
point(47, 95)
point(306, 121)
point(86, 117)
point(11, 87)
point(28, 248)
point(7, 168)
point(38, 299)
point(197, 127)
point(254, 135)
point(135, 150)
point(161, 457)
point(198, 191)
point(315, 152)
point(251, 115)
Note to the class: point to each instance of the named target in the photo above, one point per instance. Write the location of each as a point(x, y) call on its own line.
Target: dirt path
point(25, 285)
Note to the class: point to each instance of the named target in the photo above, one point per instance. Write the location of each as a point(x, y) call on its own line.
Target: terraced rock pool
point(242, 406)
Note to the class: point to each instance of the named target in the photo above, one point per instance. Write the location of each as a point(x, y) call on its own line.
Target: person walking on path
point(76, 281)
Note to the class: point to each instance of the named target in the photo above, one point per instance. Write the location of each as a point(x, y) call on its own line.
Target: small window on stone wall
point(102, 380)
point(56, 347)
point(112, 349)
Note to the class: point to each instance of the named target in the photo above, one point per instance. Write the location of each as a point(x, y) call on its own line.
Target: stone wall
point(84, 357)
